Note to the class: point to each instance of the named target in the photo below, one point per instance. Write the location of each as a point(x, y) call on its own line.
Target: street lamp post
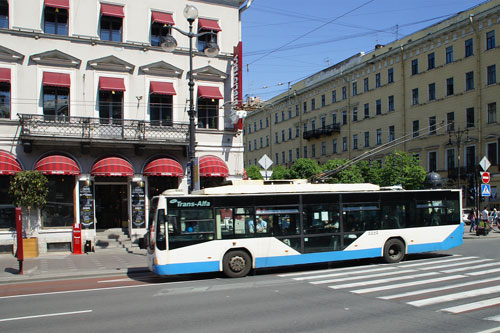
point(457, 134)
point(168, 43)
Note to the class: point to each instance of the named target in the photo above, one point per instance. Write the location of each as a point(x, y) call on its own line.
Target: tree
point(348, 175)
point(303, 168)
point(370, 171)
point(279, 172)
point(401, 168)
point(29, 189)
point(253, 172)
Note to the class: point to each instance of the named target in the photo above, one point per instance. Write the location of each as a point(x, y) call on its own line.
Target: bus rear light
point(286, 251)
point(234, 243)
point(156, 261)
point(209, 257)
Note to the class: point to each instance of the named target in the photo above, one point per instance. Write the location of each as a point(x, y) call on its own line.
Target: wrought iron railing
point(38, 126)
point(327, 130)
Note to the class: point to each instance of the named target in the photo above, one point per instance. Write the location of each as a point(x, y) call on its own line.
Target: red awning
point(56, 79)
point(112, 10)
point(212, 166)
point(112, 166)
point(57, 165)
point(161, 88)
point(5, 75)
point(8, 164)
point(163, 18)
point(208, 25)
point(111, 84)
point(209, 92)
point(164, 167)
point(63, 4)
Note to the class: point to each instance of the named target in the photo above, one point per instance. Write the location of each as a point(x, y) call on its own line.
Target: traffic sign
point(485, 190)
point(485, 176)
point(265, 162)
point(485, 163)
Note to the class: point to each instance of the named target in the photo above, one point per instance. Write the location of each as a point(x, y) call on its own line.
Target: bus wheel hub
point(237, 264)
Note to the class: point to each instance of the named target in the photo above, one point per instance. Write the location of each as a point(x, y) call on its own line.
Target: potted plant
point(29, 189)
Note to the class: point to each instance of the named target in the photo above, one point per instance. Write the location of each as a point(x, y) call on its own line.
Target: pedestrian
point(473, 220)
point(484, 226)
point(494, 217)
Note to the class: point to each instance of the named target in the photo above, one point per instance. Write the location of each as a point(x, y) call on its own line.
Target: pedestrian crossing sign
point(485, 190)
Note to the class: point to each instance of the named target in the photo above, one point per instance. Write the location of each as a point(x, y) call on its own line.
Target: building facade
point(89, 98)
point(434, 94)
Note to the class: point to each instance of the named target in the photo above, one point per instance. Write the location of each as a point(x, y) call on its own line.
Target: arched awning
point(164, 167)
point(57, 165)
point(112, 166)
point(8, 164)
point(212, 166)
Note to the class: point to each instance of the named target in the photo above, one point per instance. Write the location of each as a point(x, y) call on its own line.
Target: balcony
point(83, 130)
point(317, 133)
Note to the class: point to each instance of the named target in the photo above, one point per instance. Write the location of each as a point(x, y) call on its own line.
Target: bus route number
point(373, 233)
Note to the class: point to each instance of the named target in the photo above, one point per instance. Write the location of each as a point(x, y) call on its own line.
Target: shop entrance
point(111, 200)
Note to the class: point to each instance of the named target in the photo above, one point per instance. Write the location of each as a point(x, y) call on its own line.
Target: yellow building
point(434, 94)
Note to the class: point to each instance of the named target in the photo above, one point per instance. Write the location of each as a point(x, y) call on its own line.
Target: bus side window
point(161, 239)
point(225, 223)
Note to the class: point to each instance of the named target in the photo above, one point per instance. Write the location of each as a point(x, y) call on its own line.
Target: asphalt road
point(308, 299)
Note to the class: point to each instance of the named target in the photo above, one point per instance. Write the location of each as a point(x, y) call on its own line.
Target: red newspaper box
point(77, 238)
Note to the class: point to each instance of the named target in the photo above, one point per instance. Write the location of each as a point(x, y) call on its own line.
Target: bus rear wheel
point(394, 250)
point(236, 264)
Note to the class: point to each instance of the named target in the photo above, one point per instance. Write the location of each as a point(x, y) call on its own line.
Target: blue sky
point(288, 40)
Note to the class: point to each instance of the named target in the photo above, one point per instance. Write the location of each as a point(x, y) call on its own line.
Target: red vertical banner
point(19, 234)
point(77, 238)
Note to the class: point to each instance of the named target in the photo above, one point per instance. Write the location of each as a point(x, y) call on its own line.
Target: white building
point(89, 98)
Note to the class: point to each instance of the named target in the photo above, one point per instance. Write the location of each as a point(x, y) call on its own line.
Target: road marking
point(46, 315)
point(494, 318)
point(484, 272)
point(454, 264)
point(367, 283)
point(350, 278)
point(327, 270)
point(468, 268)
point(472, 306)
point(344, 274)
point(429, 290)
point(454, 297)
point(407, 284)
point(436, 261)
point(117, 280)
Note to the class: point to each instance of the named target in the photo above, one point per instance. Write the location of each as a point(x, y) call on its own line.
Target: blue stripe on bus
point(186, 268)
point(453, 240)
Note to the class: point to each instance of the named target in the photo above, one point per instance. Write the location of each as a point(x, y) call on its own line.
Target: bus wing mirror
point(172, 223)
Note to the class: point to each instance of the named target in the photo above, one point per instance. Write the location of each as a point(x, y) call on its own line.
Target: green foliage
point(253, 172)
point(303, 168)
point(29, 189)
point(279, 172)
point(349, 175)
point(370, 171)
point(401, 168)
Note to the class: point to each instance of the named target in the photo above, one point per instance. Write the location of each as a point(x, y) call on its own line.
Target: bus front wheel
point(394, 250)
point(236, 264)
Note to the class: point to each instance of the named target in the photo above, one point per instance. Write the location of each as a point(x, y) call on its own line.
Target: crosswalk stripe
point(361, 277)
point(367, 283)
point(344, 274)
point(455, 296)
point(345, 269)
point(484, 272)
point(407, 284)
point(494, 318)
point(472, 306)
point(435, 261)
point(430, 290)
point(472, 266)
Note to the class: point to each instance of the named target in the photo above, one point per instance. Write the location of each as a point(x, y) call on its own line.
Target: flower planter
point(30, 247)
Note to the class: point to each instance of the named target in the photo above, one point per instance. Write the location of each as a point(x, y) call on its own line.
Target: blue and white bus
point(257, 224)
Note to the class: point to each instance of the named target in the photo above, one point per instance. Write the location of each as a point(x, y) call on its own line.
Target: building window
point(160, 26)
point(392, 133)
point(283, 160)
point(450, 159)
point(323, 148)
point(261, 142)
point(4, 14)
point(432, 92)
point(305, 128)
point(267, 122)
point(282, 115)
point(355, 141)
point(323, 100)
point(5, 100)
point(492, 74)
point(344, 117)
point(313, 124)
point(367, 110)
point(414, 96)
point(344, 143)
point(276, 137)
point(378, 106)
point(390, 75)
point(161, 108)
point(469, 117)
point(391, 103)
point(470, 156)
point(276, 158)
point(431, 61)
point(276, 119)
point(355, 114)
point(305, 151)
point(289, 133)
point(492, 153)
point(290, 156)
point(469, 80)
point(334, 96)
point(469, 48)
point(297, 110)
point(297, 153)
point(282, 135)
point(490, 40)
point(205, 25)
point(323, 121)
point(416, 128)
point(344, 93)
point(432, 161)
point(450, 121)
point(366, 84)
point(208, 113)
point(334, 146)
point(260, 123)
point(367, 139)
point(289, 113)
point(354, 88)
point(377, 80)
point(378, 137)
point(304, 107)
point(432, 125)
point(110, 107)
point(334, 118)
point(267, 140)
point(111, 23)
point(414, 67)
point(449, 54)
point(55, 21)
point(249, 129)
point(492, 113)
point(297, 131)
point(313, 104)
point(59, 210)
point(449, 86)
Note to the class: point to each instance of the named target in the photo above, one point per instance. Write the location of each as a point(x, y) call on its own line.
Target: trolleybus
point(257, 224)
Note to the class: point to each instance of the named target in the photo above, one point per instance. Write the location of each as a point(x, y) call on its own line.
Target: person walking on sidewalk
point(473, 220)
point(484, 226)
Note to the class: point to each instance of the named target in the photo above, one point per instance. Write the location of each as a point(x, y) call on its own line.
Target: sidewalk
point(67, 265)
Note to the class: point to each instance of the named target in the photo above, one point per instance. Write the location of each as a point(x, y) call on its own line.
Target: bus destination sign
point(183, 203)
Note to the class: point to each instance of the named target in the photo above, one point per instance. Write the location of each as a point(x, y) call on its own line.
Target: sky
point(285, 41)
